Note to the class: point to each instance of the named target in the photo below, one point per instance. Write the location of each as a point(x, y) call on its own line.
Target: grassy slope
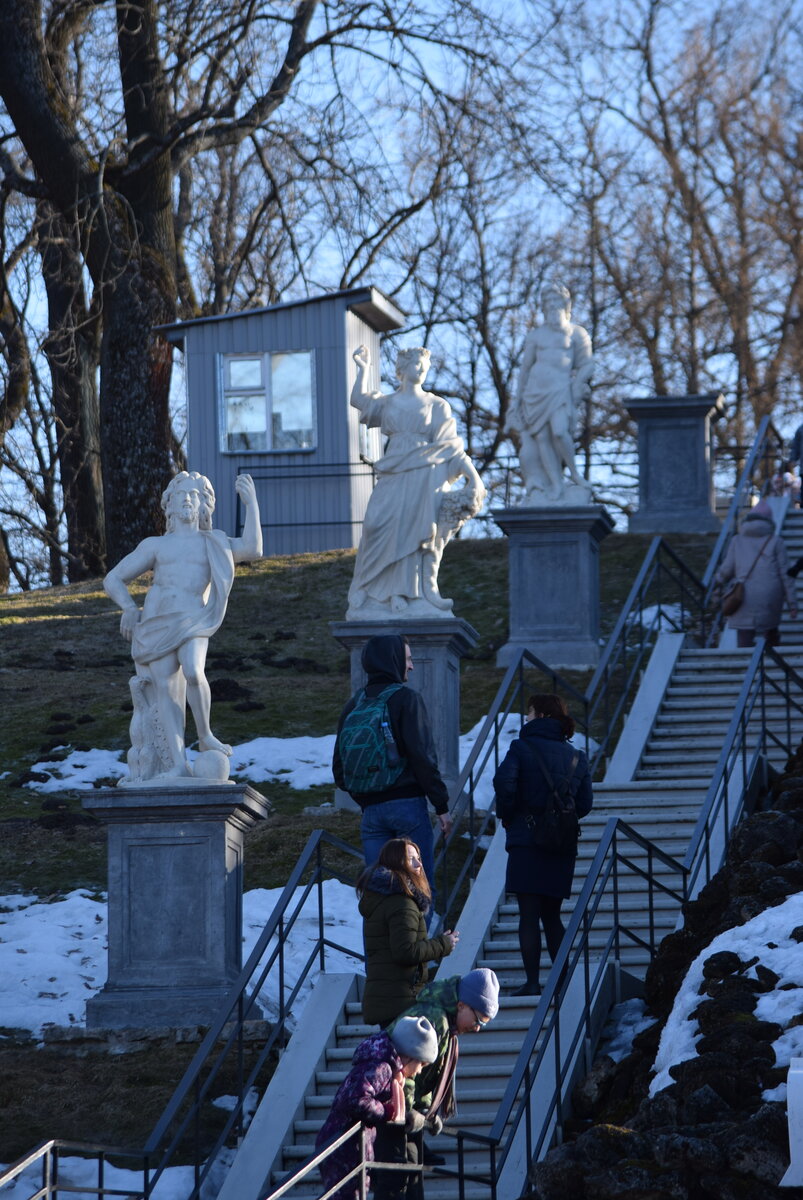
point(64, 680)
point(64, 673)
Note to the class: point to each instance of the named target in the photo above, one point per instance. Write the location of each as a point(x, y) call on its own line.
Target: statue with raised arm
point(413, 511)
point(193, 570)
point(553, 381)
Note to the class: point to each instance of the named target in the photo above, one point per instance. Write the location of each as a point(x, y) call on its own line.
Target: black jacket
point(383, 661)
point(520, 787)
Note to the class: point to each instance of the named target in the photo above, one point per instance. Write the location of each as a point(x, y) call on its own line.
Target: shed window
point(268, 402)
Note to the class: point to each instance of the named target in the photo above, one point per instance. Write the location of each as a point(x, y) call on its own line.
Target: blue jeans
point(400, 818)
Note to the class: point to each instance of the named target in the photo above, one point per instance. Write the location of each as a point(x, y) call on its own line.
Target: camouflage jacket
point(437, 1001)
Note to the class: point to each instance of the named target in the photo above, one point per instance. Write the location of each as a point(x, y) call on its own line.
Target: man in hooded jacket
point(400, 810)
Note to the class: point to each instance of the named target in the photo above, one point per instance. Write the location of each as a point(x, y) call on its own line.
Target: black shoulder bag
point(556, 826)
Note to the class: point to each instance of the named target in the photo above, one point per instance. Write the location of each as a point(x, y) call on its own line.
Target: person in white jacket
point(757, 557)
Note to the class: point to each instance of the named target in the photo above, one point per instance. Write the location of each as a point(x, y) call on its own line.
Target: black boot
point(528, 988)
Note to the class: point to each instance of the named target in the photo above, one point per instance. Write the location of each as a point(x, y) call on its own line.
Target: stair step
point(663, 804)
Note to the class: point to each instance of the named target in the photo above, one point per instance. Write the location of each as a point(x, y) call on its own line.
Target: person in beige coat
point(758, 558)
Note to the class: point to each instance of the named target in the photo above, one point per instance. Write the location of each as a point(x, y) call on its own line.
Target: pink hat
point(762, 509)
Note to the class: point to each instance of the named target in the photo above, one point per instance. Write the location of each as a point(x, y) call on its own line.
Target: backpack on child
point(368, 752)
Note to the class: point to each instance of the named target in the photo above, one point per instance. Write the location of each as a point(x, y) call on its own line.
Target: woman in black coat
point(541, 879)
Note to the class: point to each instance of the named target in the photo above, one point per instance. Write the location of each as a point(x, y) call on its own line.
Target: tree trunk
point(73, 351)
point(12, 400)
point(127, 239)
point(135, 363)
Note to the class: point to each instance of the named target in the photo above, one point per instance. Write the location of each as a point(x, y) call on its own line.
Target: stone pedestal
point(676, 486)
point(175, 901)
point(553, 556)
point(437, 647)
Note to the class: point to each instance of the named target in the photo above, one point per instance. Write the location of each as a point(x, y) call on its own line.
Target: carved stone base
point(175, 901)
point(437, 647)
point(554, 583)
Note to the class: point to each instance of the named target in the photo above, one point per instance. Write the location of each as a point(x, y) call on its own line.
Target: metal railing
point(46, 1158)
point(742, 759)
point(613, 470)
point(358, 1174)
point(556, 1042)
point(664, 594)
point(309, 474)
point(555, 1038)
point(224, 1043)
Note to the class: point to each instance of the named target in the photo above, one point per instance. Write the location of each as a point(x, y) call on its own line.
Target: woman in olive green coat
point(395, 898)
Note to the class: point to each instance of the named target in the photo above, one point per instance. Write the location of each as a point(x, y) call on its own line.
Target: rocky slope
point(710, 1134)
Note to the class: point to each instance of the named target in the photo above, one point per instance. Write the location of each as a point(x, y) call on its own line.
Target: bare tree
point(120, 117)
point(684, 157)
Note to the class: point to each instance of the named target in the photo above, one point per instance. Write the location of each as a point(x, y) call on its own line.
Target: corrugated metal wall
point(309, 500)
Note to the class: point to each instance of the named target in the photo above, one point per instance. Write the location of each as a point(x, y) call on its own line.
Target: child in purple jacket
point(372, 1093)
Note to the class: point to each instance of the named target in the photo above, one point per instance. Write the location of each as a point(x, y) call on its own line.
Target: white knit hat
point(414, 1037)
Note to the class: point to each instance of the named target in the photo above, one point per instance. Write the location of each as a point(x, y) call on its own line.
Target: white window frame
point(224, 358)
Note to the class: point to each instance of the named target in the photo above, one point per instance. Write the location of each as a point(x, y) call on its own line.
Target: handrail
point(603, 703)
point(735, 752)
point(547, 1015)
point(356, 1174)
point(47, 1153)
point(601, 706)
point(746, 743)
point(239, 1006)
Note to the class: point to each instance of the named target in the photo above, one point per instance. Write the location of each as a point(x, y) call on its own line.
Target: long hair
point(393, 856)
point(547, 704)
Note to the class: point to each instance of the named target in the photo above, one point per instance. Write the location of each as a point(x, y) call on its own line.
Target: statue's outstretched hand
point(361, 356)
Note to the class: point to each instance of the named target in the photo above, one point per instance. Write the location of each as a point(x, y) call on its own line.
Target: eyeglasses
point(479, 1021)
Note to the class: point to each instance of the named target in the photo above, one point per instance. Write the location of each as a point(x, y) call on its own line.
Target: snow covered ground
point(53, 955)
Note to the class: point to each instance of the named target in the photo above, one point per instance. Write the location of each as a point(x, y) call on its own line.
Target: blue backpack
point(368, 752)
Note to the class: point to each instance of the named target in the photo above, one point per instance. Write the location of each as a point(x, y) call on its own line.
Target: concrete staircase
point(660, 795)
point(485, 1062)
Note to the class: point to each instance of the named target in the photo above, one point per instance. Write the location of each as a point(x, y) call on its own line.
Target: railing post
point(197, 1139)
point(461, 1165)
point(240, 1063)
point(319, 889)
point(363, 1188)
point(280, 933)
point(651, 900)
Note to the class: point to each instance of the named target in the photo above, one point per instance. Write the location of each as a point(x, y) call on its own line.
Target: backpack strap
point(545, 771)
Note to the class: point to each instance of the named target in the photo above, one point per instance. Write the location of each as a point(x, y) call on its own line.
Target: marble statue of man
point(413, 511)
point(556, 367)
point(193, 570)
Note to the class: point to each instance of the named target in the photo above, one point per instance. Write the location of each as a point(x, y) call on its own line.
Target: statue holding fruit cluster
point(193, 570)
point(414, 509)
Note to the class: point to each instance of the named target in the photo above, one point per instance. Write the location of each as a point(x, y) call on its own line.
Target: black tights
point(535, 911)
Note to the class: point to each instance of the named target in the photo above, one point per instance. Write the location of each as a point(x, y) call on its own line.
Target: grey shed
point(268, 394)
